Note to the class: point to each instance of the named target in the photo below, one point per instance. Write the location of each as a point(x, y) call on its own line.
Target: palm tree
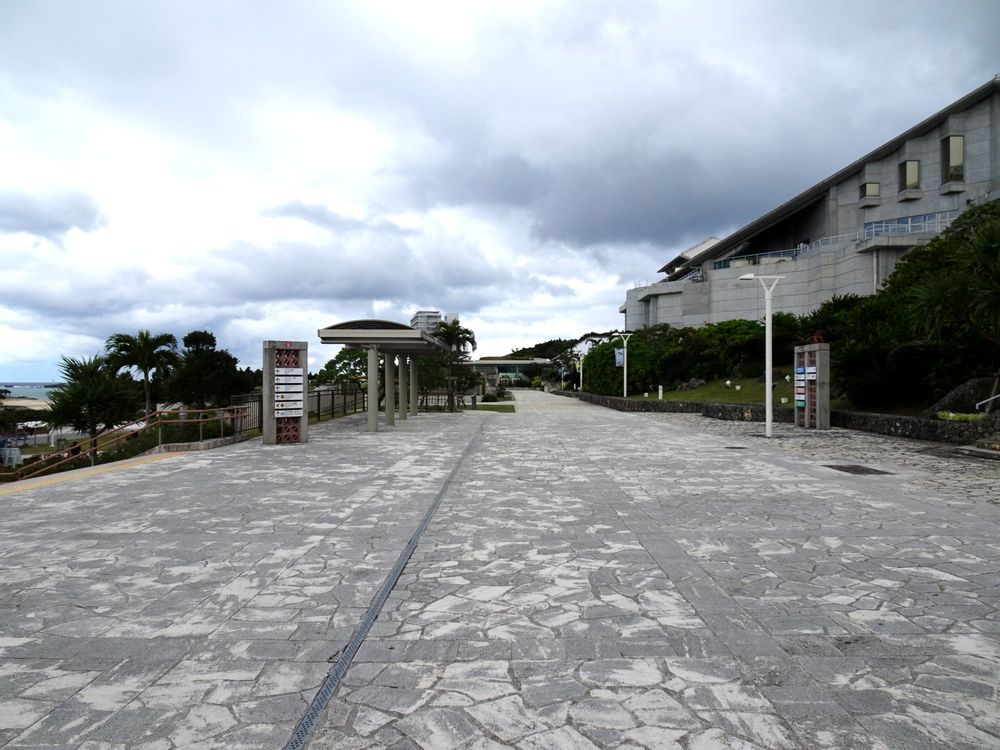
point(145, 352)
point(457, 337)
point(93, 396)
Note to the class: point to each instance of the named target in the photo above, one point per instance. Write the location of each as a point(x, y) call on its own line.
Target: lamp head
point(747, 277)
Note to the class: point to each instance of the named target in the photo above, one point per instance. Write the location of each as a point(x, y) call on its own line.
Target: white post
point(660, 394)
point(390, 388)
point(769, 394)
point(581, 371)
point(625, 337)
point(768, 349)
point(768, 375)
point(404, 387)
point(414, 387)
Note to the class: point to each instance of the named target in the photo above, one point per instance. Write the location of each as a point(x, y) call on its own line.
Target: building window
point(868, 190)
point(909, 175)
point(953, 158)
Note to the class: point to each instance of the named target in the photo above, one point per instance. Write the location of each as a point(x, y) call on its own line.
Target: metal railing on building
point(923, 224)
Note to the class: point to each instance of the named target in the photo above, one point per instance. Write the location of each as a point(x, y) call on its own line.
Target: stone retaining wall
point(203, 445)
point(933, 430)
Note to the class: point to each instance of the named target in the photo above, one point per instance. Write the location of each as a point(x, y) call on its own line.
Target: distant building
point(425, 320)
point(509, 371)
point(843, 235)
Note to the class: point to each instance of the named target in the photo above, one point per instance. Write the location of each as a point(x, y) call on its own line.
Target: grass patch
point(502, 408)
point(950, 416)
point(752, 392)
point(715, 391)
point(35, 450)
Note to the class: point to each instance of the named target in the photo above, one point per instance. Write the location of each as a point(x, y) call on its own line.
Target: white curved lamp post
point(625, 337)
point(768, 394)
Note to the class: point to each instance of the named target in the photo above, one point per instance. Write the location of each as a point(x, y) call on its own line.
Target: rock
point(964, 398)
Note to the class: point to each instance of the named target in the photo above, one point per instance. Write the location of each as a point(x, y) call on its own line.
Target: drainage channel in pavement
point(304, 729)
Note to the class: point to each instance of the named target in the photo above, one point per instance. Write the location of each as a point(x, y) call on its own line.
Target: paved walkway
point(589, 579)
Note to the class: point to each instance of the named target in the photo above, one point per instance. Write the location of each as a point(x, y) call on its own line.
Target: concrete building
point(425, 320)
point(843, 235)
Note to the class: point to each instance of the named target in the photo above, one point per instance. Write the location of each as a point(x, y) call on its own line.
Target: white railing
point(693, 276)
point(929, 224)
point(926, 224)
point(834, 239)
point(986, 401)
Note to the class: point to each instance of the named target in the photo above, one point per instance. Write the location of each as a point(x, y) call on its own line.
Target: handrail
point(987, 400)
point(118, 433)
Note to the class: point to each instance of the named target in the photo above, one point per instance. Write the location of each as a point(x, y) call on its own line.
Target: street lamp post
point(768, 375)
point(625, 337)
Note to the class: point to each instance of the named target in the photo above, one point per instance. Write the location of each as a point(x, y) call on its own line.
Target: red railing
point(238, 418)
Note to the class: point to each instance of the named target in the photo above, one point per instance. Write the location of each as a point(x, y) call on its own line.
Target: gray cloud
point(380, 267)
point(644, 139)
point(49, 216)
point(324, 218)
point(72, 298)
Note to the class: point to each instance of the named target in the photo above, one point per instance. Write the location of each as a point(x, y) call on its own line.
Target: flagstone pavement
point(588, 579)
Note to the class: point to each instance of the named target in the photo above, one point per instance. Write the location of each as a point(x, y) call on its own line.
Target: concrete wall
point(810, 279)
point(931, 430)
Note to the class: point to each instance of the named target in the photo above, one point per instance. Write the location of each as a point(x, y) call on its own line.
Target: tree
point(94, 396)
point(957, 307)
point(565, 365)
point(144, 352)
point(457, 337)
point(431, 374)
point(8, 416)
point(546, 350)
point(204, 375)
point(348, 367)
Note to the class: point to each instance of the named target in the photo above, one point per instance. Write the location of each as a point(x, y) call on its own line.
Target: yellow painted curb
point(67, 476)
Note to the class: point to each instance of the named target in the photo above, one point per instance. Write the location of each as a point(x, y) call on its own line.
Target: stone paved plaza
point(590, 579)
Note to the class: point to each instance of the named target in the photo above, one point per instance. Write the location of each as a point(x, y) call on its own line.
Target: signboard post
point(812, 386)
point(286, 392)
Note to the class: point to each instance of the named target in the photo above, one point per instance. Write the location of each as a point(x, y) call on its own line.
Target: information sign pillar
point(812, 386)
point(285, 392)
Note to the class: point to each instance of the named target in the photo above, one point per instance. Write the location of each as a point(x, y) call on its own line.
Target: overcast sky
point(265, 169)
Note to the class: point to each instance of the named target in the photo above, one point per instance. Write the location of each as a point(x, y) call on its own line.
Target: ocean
point(27, 390)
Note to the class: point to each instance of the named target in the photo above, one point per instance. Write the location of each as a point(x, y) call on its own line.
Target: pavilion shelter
point(394, 340)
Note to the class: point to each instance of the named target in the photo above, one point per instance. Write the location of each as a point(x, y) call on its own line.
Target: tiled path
point(590, 579)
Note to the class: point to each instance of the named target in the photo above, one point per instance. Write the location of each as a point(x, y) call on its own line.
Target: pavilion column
point(372, 389)
point(414, 393)
point(390, 388)
point(404, 386)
